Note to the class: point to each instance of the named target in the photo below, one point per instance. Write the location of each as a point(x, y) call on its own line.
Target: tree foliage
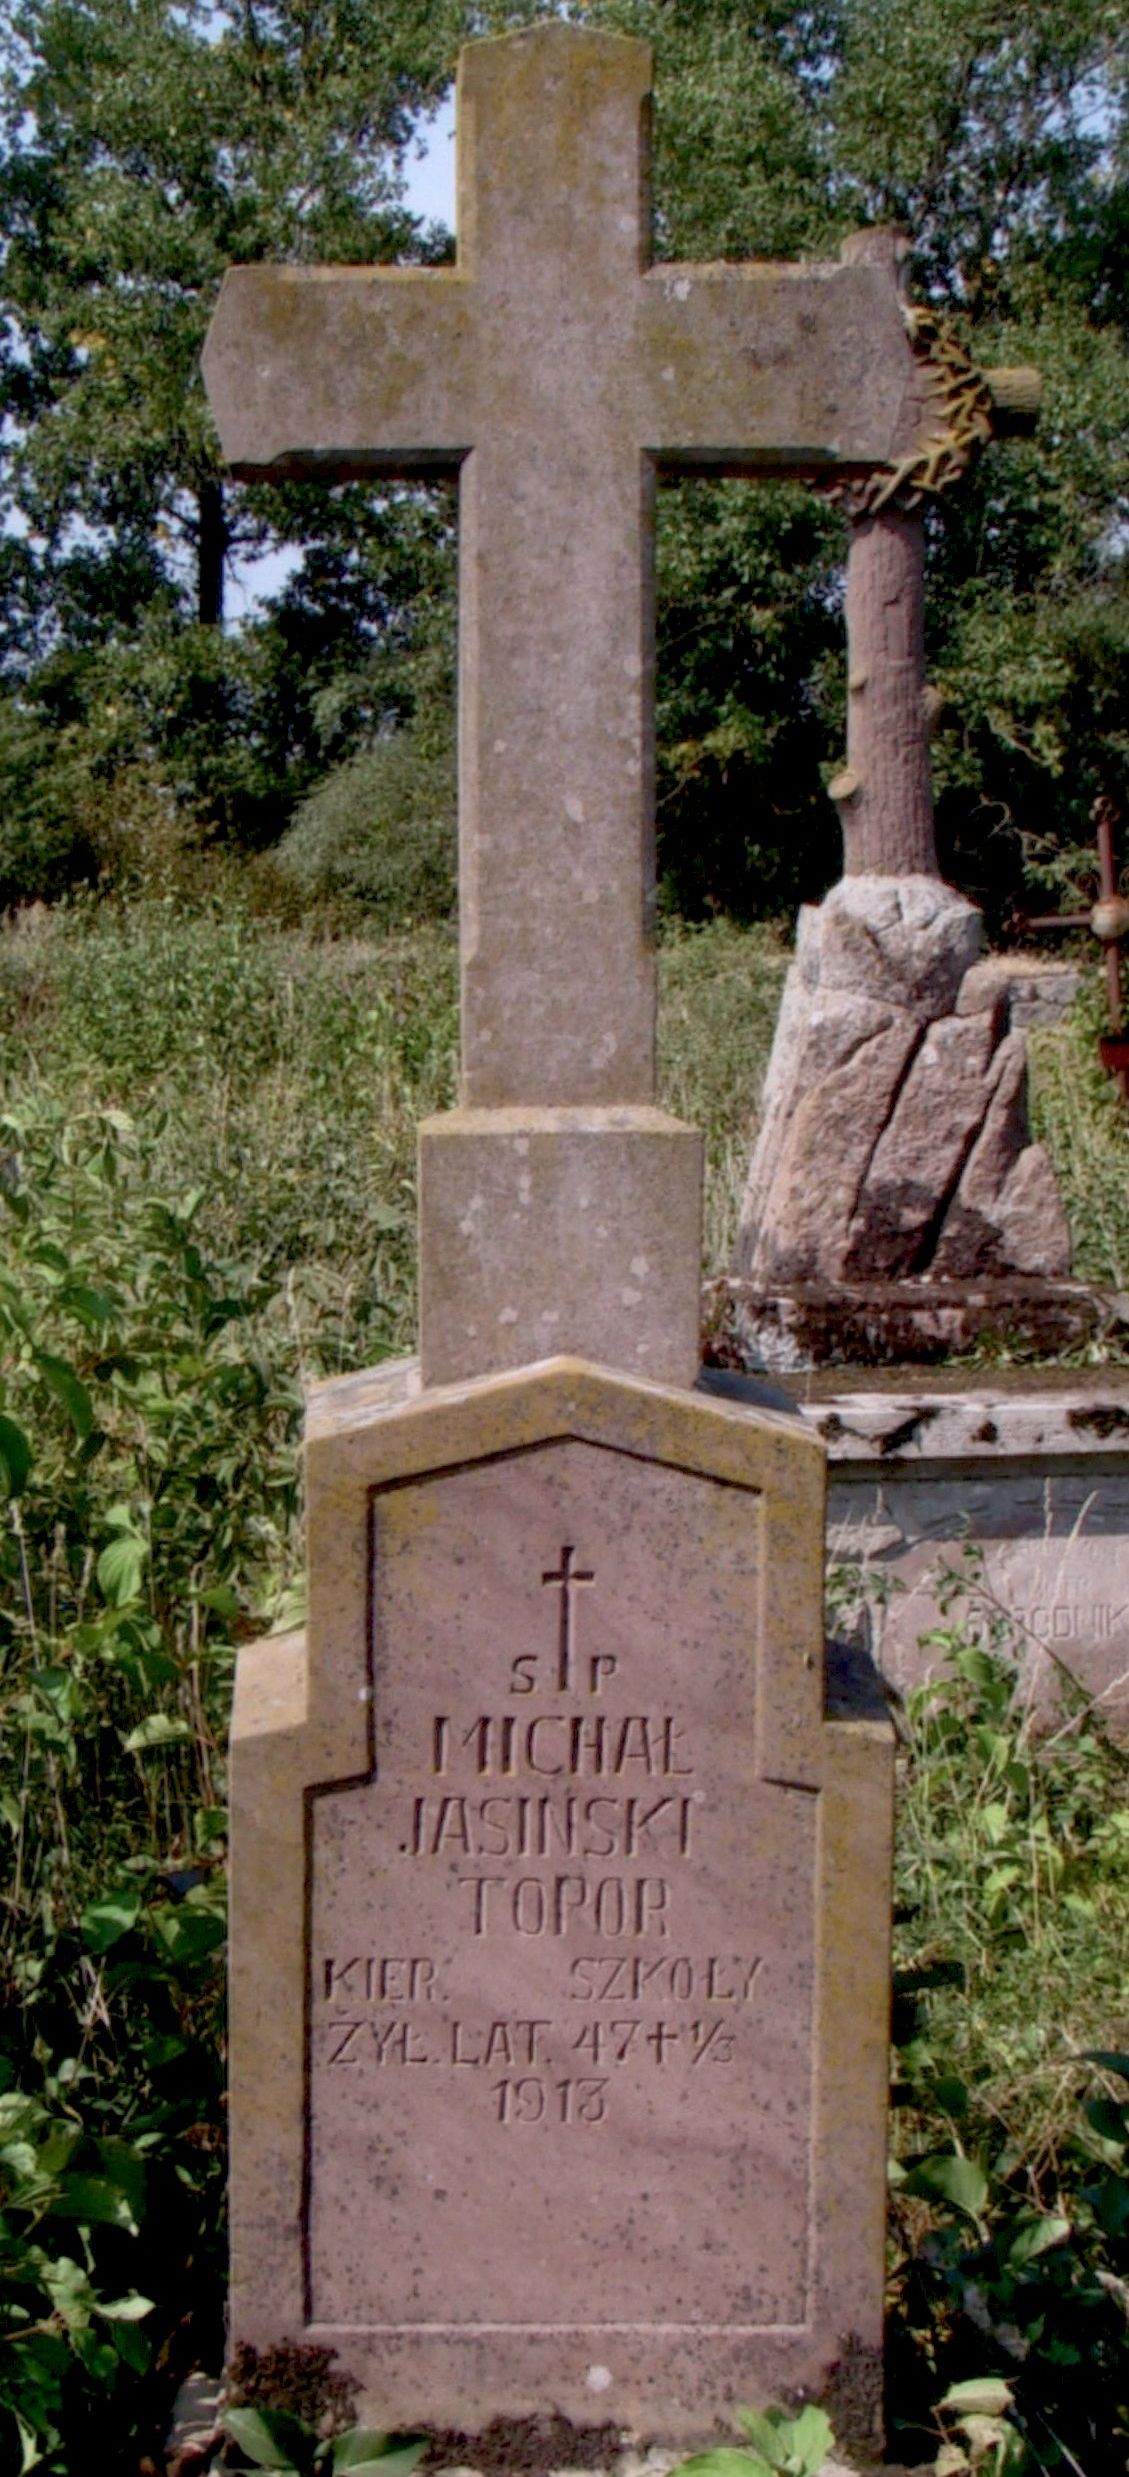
point(148, 143)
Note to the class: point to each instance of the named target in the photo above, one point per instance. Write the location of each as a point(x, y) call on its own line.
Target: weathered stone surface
point(1030, 989)
point(906, 1323)
point(831, 1134)
point(538, 1225)
point(1020, 1491)
point(908, 940)
point(1006, 1210)
point(555, 370)
point(894, 1141)
point(560, 1898)
point(579, 1963)
point(921, 1151)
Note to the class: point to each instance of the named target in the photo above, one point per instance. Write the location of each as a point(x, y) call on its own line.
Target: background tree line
point(147, 143)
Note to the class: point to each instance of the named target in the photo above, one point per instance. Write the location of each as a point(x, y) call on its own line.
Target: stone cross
point(559, 1886)
point(558, 373)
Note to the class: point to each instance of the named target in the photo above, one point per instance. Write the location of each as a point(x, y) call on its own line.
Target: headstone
point(560, 1895)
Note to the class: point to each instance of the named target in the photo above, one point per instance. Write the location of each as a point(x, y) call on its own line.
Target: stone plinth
point(560, 1916)
point(547, 1228)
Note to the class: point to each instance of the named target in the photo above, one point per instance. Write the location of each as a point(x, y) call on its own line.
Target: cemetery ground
point(207, 1177)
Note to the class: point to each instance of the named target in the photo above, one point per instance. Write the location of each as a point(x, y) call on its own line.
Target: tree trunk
point(885, 799)
point(211, 553)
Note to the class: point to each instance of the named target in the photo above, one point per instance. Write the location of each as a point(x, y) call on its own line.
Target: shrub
point(379, 833)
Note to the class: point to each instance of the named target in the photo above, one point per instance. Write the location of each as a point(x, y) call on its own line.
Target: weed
point(1011, 2126)
point(1079, 1115)
point(272, 2438)
point(781, 2446)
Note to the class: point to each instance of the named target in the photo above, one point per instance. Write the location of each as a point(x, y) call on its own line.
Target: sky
point(431, 179)
point(430, 175)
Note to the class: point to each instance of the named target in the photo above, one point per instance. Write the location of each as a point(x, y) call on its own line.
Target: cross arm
point(753, 368)
point(340, 372)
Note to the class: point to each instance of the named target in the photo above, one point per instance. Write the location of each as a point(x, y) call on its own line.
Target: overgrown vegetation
point(1010, 2276)
point(206, 1182)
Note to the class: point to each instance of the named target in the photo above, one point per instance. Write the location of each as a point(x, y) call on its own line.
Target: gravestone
point(560, 1892)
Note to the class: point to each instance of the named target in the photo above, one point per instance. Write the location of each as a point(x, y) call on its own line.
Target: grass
point(1078, 1113)
point(293, 1072)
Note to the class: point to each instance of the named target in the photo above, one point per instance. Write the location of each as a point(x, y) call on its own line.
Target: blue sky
point(431, 179)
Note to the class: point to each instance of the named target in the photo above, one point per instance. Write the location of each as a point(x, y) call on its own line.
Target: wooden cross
point(558, 372)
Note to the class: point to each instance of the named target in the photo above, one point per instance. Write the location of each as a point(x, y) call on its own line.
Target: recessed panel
point(560, 1991)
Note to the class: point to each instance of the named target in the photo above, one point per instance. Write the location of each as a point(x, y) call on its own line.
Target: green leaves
point(367, 2454)
point(269, 2438)
point(107, 1919)
point(784, 2445)
point(67, 1387)
point(15, 1457)
point(795, 2445)
point(158, 1729)
point(272, 2439)
point(120, 1567)
point(949, 2177)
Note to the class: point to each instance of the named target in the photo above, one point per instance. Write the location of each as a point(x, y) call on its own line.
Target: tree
point(995, 133)
point(147, 145)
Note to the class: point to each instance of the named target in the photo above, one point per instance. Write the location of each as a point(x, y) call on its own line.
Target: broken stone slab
point(977, 1506)
point(1020, 1491)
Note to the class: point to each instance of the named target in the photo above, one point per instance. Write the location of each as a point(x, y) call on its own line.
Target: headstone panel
point(562, 1940)
point(589, 1987)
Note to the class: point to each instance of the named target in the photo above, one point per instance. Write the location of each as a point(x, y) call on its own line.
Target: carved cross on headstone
point(558, 373)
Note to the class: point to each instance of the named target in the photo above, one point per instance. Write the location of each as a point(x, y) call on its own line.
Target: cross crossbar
point(558, 373)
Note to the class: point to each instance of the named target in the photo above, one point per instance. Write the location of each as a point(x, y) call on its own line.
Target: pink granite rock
point(856, 1054)
point(894, 1140)
point(1007, 1212)
point(919, 1156)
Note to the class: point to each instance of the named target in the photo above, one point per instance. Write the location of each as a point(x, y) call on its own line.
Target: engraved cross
point(565, 1580)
